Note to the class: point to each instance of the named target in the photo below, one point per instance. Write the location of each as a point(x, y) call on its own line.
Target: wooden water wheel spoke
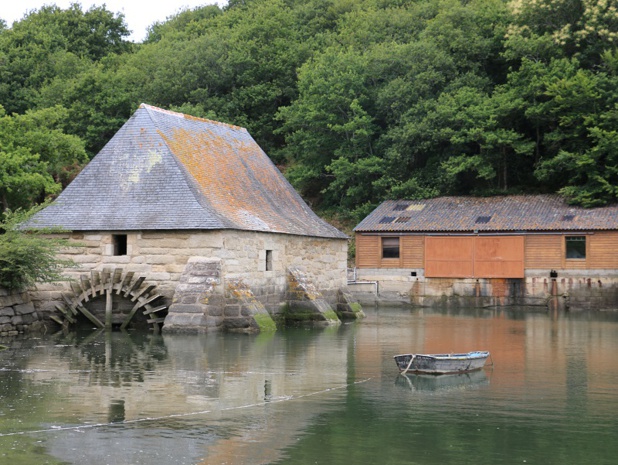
point(149, 310)
point(124, 282)
point(71, 305)
point(135, 285)
point(105, 283)
point(79, 290)
point(151, 299)
point(94, 282)
point(131, 314)
point(106, 280)
point(66, 313)
point(90, 316)
point(85, 283)
point(116, 278)
point(144, 291)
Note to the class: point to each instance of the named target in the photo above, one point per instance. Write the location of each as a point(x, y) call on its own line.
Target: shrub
point(28, 256)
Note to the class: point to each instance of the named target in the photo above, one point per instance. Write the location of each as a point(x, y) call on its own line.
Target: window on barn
point(390, 247)
point(119, 242)
point(269, 260)
point(575, 247)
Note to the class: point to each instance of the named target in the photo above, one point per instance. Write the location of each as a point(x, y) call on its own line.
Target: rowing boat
point(439, 364)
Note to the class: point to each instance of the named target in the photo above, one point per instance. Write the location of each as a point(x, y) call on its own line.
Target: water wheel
point(111, 285)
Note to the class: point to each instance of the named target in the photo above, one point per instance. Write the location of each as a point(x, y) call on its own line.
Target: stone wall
point(577, 289)
point(162, 256)
point(17, 314)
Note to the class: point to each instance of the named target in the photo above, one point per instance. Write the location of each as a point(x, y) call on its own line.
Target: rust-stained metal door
point(474, 257)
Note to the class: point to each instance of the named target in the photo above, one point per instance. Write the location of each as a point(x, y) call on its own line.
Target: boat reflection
point(420, 382)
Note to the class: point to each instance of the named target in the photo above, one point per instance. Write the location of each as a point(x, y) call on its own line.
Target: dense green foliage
point(28, 257)
point(357, 100)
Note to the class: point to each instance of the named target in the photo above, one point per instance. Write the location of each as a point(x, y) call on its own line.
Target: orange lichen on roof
point(234, 175)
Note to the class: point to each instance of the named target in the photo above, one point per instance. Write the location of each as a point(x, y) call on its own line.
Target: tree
point(33, 47)
point(36, 157)
point(564, 69)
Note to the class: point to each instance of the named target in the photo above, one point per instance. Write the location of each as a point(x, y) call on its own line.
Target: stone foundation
point(207, 299)
point(17, 314)
point(305, 303)
point(204, 301)
point(575, 290)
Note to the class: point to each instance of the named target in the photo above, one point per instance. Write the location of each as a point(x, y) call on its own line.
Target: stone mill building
point(186, 224)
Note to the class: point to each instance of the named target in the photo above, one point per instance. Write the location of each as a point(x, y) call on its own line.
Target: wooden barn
point(188, 217)
point(512, 246)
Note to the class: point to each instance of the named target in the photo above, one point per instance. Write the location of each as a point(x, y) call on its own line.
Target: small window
point(120, 244)
point(269, 260)
point(575, 247)
point(390, 247)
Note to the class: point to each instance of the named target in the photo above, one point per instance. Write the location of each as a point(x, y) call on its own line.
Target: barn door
point(474, 256)
point(449, 257)
point(499, 257)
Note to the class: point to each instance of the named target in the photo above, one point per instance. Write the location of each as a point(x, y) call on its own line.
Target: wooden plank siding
point(602, 250)
point(368, 253)
point(495, 256)
point(544, 252)
point(549, 252)
point(413, 251)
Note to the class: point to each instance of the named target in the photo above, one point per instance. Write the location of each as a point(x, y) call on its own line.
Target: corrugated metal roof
point(164, 171)
point(487, 214)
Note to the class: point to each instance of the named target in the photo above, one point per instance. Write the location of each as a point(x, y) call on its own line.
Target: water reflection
point(420, 382)
point(329, 395)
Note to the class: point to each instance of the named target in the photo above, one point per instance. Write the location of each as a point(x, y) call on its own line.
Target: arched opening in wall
point(120, 311)
point(112, 299)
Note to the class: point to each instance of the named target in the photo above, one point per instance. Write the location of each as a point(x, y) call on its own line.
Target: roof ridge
point(186, 116)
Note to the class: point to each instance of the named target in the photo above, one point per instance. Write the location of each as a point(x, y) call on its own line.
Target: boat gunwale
point(459, 356)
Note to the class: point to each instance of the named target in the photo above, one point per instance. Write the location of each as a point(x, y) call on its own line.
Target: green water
point(318, 396)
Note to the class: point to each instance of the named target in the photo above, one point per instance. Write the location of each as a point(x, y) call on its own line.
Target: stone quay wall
point(17, 314)
point(258, 260)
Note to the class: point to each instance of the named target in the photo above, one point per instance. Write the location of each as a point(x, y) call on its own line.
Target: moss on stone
point(356, 307)
point(265, 322)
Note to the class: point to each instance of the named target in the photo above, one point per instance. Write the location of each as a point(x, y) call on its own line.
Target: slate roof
point(487, 214)
point(169, 171)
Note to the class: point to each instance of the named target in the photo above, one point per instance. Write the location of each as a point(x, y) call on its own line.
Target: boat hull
point(441, 364)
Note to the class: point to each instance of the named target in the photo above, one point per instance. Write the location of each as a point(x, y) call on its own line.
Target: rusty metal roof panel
point(167, 170)
point(525, 213)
